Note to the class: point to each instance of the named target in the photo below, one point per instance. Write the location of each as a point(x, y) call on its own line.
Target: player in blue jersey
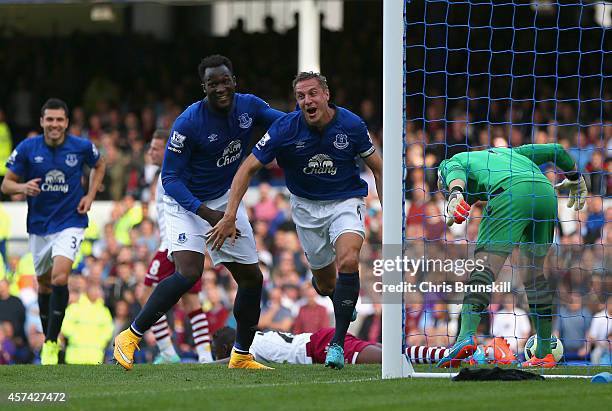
point(318, 147)
point(206, 145)
point(47, 169)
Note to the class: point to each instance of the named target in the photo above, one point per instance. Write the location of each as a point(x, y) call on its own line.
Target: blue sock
point(58, 302)
point(164, 296)
point(345, 298)
point(246, 311)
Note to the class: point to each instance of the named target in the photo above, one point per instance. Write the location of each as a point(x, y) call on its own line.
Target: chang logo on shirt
point(55, 181)
point(232, 152)
point(320, 164)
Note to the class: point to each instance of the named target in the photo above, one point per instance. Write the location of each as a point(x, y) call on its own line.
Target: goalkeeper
point(521, 208)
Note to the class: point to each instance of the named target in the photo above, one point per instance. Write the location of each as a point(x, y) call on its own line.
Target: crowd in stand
point(120, 119)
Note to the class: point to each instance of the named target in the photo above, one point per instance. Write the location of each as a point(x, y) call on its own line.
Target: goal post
point(394, 364)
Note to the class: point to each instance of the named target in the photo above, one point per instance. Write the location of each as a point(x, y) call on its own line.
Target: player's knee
point(44, 284)
point(251, 279)
point(59, 279)
point(326, 288)
point(191, 274)
point(348, 260)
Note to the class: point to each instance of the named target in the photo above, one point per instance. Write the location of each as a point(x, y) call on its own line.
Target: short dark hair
point(54, 104)
point(160, 134)
point(214, 60)
point(307, 75)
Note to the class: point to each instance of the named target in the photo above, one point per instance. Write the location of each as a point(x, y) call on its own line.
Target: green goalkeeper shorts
point(525, 215)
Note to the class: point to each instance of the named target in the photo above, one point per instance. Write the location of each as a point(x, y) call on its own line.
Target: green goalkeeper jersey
point(488, 171)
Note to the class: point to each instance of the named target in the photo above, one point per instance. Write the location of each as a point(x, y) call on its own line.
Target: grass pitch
point(289, 387)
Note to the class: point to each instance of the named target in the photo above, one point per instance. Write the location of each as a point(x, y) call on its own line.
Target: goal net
point(479, 75)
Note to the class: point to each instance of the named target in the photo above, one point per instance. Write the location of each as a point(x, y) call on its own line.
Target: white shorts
point(185, 231)
point(279, 347)
point(45, 247)
point(320, 223)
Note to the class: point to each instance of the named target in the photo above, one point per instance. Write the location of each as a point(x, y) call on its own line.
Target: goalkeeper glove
point(457, 209)
point(577, 190)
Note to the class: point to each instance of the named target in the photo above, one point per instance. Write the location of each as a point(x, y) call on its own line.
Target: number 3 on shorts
point(74, 244)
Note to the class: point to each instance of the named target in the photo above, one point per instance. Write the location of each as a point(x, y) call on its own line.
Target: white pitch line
point(208, 387)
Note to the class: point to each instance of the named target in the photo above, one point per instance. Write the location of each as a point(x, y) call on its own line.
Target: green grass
point(291, 387)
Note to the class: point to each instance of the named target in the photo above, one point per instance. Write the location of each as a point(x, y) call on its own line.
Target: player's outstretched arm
point(96, 176)
point(12, 185)
point(226, 227)
point(374, 161)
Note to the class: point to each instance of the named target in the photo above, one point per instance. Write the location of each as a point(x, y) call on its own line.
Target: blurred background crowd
point(122, 88)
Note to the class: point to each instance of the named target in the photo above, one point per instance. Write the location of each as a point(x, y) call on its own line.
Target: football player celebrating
point(317, 147)
point(47, 169)
point(207, 143)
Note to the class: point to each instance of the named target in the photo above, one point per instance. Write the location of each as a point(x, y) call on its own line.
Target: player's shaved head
point(215, 60)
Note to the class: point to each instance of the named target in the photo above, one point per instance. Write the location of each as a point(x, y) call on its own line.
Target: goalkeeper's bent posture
point(521, 209)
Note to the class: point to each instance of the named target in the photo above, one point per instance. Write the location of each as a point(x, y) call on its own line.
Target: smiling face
point(54, 123)
point(220, 86)
point(313, 100)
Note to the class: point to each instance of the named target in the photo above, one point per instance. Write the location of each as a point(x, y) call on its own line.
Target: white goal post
point(394, 364)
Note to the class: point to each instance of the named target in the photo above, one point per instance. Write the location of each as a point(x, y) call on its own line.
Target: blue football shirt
point(60, 170)
point(319, 166)
point(205, 148)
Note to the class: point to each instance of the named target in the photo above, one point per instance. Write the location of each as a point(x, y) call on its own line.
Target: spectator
point(371, 326)
point(88, 328)
point(512, 323)
point(599, 335)
point(216, 311)
point(571, 325)
point(312, 315)
point(274, 315)
point(265, 209)
point(13, 311)
point(591, 231)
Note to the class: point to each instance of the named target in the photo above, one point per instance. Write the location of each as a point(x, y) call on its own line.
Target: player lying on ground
point(521, 209)
point(318, 147)
point(47, 169)
point(207, 143)
point(310, 348)
point(161, 267)
point(304, 348)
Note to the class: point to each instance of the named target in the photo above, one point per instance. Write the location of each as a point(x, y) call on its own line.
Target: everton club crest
point(341, 141)
point(71, 160)
point(244, 121)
